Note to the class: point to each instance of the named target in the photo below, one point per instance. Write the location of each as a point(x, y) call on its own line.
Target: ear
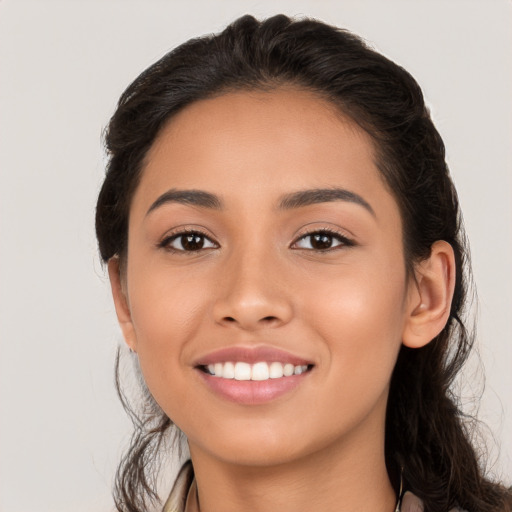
point(430, 296)
point(123, 312)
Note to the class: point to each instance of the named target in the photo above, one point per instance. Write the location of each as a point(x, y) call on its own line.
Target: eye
point(190, 241)
point(321, 241)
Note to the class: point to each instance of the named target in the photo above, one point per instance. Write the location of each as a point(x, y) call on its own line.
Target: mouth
point(259, 371)
point(250, 376)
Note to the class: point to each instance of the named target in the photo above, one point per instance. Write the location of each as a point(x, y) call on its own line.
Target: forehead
point(262, 144)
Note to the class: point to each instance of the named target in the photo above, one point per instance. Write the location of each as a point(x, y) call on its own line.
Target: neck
point(348, 476)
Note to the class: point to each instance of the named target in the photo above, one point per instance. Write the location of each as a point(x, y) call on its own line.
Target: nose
point(252, 294)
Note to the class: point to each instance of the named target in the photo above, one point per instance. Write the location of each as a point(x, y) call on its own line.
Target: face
point(265, 281)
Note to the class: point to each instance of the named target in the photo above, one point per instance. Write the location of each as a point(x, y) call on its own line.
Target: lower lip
point(252, 392)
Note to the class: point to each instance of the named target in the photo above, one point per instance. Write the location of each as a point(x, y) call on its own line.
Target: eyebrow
point(288, 202)
point(322, 195)
point(191, 197)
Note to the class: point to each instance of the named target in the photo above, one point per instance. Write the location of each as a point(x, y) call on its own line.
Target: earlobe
point(121, 303)
point(430, 297)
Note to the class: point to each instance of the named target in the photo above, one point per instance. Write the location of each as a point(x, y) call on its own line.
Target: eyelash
point(342, 239)
point(165, 243)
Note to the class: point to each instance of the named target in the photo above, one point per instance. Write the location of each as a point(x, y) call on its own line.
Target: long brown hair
point(427, 437)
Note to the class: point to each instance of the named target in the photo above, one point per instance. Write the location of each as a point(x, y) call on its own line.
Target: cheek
point(361, 320)
point(166, 309)
point(165, 303)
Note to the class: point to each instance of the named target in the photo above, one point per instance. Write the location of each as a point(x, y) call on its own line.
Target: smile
point(259, 371)
point(252, 375)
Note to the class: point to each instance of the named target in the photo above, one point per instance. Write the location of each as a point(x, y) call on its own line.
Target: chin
point(265, 445)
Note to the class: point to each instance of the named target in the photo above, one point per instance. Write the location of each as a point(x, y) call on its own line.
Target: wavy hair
point(427, 435)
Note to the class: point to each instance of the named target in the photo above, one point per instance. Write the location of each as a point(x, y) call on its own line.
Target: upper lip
point(251, 355)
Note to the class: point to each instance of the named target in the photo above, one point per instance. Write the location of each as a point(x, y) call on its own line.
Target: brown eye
point(192, 242)
point(321, 241)
point(189, 242)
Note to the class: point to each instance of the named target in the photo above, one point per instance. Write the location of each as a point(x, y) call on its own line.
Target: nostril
point(266, 319)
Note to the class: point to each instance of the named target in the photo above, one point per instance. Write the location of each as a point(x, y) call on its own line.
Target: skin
point(258, 281)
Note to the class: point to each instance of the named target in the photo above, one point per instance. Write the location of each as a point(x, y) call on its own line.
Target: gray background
point(63, 64)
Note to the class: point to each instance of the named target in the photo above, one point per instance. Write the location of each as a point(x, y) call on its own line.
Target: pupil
point(192, 242)
point(322, 241)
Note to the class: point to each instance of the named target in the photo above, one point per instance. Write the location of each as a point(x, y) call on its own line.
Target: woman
point(287, 261)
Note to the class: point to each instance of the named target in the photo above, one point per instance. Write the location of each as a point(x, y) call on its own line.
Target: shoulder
point(411, 503)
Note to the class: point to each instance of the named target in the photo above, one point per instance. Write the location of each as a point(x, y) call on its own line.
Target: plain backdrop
point(63, 64)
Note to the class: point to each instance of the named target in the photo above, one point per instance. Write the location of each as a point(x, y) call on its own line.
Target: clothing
point(177, 501)
point(185, 486)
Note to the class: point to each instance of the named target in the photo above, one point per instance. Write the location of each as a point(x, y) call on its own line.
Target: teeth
point(276, 370)
point(288, 369)
point(258, 371)
point(228, 372)
point(242, 371)
point(217, 371)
